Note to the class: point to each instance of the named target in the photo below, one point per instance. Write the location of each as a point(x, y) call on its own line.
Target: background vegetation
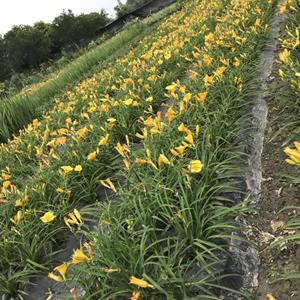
point(122, 9)
point(24, 48)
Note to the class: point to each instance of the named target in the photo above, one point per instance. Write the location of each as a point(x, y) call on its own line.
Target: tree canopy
point(130, 5)
point(25, 47)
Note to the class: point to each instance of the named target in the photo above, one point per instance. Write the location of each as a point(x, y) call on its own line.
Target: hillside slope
point(132, 186)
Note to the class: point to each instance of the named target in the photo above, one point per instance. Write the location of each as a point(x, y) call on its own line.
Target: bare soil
point(277, 192)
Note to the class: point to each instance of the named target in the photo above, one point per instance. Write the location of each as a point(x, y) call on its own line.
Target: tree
point(4, 71)
point(130, 5)
point(68, 29)
point(26, 46)
point(63, 31)
point(88, 24)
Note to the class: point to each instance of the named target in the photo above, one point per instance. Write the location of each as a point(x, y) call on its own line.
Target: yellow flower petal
point(107, 270)
point(163, 160)
point(92, 156)
point(55, 277)
point(135, 295)
point(189, 138)
point(79, 257)
point(17, 218)
point(104, 140)
point(140, 282)
point(78, 168)
point(108, 184)
point(77, 214)
point(6, 184)
point(195, 166)
point(170, 114)
point(48, 217)
point(67, 169)
point(62, 269)
point(201, 98)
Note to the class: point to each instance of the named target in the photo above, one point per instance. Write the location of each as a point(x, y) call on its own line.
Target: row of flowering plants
point(66, 157)
point(155, 133)
point(289, 71)
point(162, 235)
point(18, 110)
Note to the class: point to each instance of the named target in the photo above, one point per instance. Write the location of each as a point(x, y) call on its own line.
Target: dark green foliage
point(68, 29)
point(25, 47)
point(129, 6)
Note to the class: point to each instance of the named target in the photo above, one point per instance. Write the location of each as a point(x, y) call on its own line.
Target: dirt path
point(277, 193)
point(269, 189)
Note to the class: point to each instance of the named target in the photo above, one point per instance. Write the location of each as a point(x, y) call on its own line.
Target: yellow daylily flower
point(284, 56)
point(67, 169)
point(126, 163)
point(78, 168)
point(107, 270)
point(140, 282)
point(92, 155)
point(81, 133)
point(180, 150)
point(297, 145)
point(163, 160)
point(48, 217)
point(104, 140)
point(79, 257)
point(207, 60)
point(193, 74)
point(167, 55)
point(108, 184)
point(17, 218)
point(174, 152)
point(170, 114)
point(62, 269)
point(6, 184)
point(294, 154)
point(135, 295)
point(55, 277)
point(5, 176)
point(184, 129)
point(21, 202)
point(208, 80)
point(88, 248)
point(171, 88)
point(123, 150)
point(236, 62)
point(195, 166)
point(74, 218)
point(143, 135)
point(149, 122)
point(209, 39)
point(189, 138)
point(128, 102)
point(187, 97)
point(220, 71)
point(141, 161)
